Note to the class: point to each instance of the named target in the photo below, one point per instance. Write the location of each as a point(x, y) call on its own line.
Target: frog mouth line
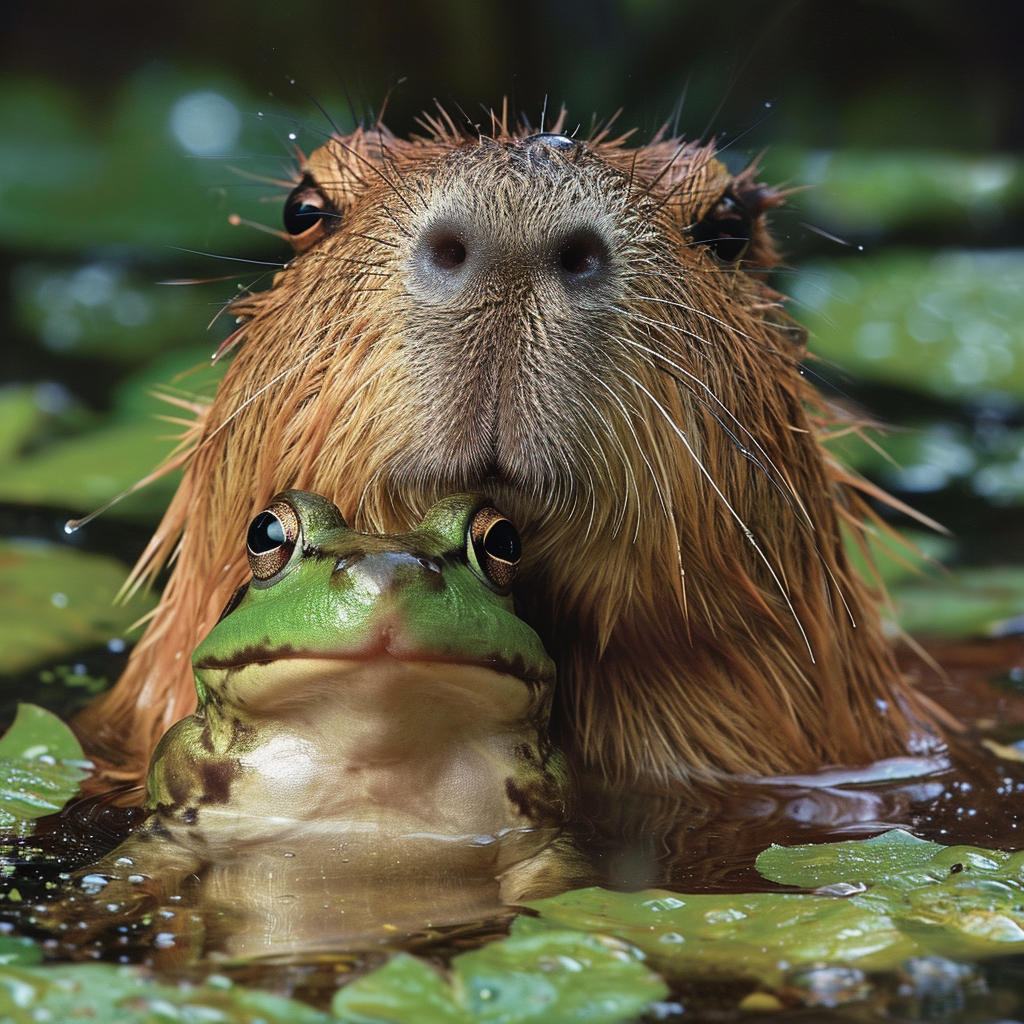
point(256, 655)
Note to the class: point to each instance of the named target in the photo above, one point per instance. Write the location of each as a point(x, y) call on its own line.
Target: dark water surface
point(686, 842)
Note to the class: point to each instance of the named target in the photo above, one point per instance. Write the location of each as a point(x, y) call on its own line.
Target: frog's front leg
point(133, 897)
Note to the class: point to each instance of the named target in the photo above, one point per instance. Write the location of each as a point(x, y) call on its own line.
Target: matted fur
point(650, 432)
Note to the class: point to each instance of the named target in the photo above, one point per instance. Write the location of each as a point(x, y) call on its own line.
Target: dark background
point(98, 203)
point(897, 73)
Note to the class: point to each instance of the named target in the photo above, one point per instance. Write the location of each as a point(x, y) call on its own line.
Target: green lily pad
point(41, 765)
point(967, 602)
point(55, 601)
point(18, 952)
point(853, 190)
point(949, 324)
point(536, 974)
point(404, 991)
point(756, 937)
point(927, 457)
point(84, 472)
point(88, 469)
point(101, 309)
point(20, 416)
point(35, 733)
point(877, 903)
point(960, 902)
point(123, 995)
point(66, 182)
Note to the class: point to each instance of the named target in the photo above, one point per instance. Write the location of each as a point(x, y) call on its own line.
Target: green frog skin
point(369, 755)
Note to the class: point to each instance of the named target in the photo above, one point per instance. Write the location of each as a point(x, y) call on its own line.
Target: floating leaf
point(19, 418)
point(55, 601)
point(123, 995)
point(41, 765)
point(405, 991)
point(967, 602)
point(868, 191)
point(35, 733)
point(65, 183)
point(959, 901)
point(18, 952)
point(891, 855)
point(536, 974)
point(949, 324)
point(757, 937)
point(83, 472)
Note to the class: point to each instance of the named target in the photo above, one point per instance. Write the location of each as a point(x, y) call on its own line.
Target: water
point(687, 842)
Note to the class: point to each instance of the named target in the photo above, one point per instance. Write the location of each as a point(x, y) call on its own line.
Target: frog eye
point(725, 228)
point(271, 540)
point(493, 547)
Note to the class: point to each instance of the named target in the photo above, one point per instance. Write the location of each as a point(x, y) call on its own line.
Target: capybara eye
point(271, 540)
point(495, 547)
point(304, 210)
point(725, 228)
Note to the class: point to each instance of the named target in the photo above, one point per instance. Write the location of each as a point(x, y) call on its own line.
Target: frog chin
point(377, 694)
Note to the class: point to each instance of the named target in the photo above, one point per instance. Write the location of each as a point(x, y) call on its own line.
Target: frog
point(369, 757)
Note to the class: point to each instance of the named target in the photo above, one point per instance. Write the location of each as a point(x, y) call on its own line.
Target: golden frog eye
point(495, 548)
point(271, 540)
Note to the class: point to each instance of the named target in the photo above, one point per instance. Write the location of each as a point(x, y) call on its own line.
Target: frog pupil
point(501, 541)
point(266, 532)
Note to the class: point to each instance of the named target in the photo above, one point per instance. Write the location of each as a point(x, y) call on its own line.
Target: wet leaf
point(18, 952)
point(123, 995)
point(868, 191)
point(949, 324)
point(960, 902)
point(55, 601)
point(67, 182)
point(83, 472)
point(967, 602)
point(891, 855)
point(758, 937)
point(405, 990)
point(536, 974)
point(41, 765)
point(35, 733)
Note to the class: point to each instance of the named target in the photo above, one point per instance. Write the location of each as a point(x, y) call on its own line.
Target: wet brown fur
point(652, 437)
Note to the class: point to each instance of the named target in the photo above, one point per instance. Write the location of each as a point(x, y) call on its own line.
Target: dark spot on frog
point(155, 830)
point(520, 799)
point(190, 815)
point(206, 738)
point(527, 753)
point(215, 778)
point(955, 869)
point(239, 731)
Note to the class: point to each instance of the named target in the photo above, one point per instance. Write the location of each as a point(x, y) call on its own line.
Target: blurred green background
point(127, 132)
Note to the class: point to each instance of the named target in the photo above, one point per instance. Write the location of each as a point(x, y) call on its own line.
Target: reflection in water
point(319, 902)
